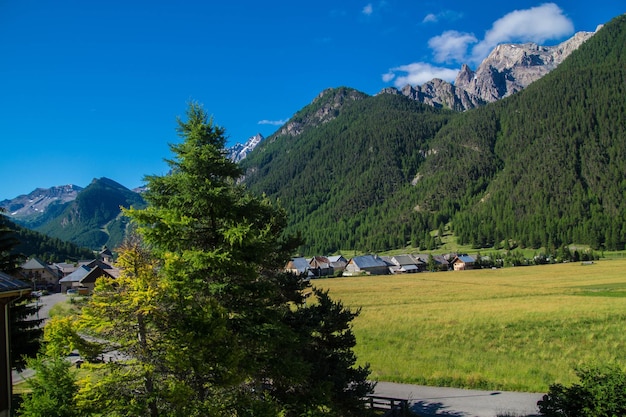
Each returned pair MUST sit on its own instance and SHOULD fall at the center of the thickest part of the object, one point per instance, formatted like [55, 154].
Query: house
[40, 275]
[462, 262]
[407, 264]
[299, 266]
[366, 264]
[320, 266]
[11, 289]
[338, 262]
[85, 277]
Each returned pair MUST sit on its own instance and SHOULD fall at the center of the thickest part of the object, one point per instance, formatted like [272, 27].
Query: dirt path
[454, 402]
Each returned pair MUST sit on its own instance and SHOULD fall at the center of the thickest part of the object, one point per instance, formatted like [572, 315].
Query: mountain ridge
[508, 68]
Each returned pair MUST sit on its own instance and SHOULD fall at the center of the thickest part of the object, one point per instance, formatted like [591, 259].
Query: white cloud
[430, 18]
[367, 10]
[272, 122]
[537, 24]
[418, 73]
[451, 46]
[443, 15]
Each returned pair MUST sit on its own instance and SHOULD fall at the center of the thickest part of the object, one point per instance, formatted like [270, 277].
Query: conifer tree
[210, 323]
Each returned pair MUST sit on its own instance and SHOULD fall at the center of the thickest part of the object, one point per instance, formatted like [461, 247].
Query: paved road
[454, 402]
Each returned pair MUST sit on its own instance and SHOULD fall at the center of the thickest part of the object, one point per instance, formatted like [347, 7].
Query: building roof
[405, 260]
[319, 262]
[76, 276]
[300, 264]
[86, 275]
[337, 258]
[34, 263]
[466, 259]
[10, 286]
[368, 261]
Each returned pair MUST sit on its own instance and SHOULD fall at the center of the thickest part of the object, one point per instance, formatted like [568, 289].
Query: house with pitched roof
[299, 266]
[40, 275]
[85, 276]
[11, 289]
[338, 262]
[366, 265]
[463, 262]
[320, 266]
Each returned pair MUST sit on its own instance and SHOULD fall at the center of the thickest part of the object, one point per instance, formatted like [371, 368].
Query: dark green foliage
[543, 168]
[29, 243]
[25, 332]
[53, 389]
[549, 160]
[232, 329]
[600, 393]
[330, 377]
[93, 219]
[343, 183]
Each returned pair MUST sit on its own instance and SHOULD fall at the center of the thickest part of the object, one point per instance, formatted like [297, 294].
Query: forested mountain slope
[544, 167]
[94, 218]
[335, 179]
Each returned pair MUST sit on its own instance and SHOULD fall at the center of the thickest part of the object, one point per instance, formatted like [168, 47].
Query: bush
[601, 392]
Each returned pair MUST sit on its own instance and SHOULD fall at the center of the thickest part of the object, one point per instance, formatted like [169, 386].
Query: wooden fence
[395, 406]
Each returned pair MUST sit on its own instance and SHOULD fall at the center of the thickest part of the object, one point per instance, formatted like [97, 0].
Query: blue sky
[92, 89]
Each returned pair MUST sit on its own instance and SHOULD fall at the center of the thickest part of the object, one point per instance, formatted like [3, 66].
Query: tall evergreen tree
[212, 324]
[25, 325]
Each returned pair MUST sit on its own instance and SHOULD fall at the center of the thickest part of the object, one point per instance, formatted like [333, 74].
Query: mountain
[507, 69]
[543, 167]
[338, 161]
[48, 249]
[33, 205]
[93, 218]
[239, 151]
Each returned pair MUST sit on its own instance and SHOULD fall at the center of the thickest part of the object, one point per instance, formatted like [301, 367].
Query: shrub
[601, 392]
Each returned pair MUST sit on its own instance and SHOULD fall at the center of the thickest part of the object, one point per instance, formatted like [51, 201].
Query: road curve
[456, 402]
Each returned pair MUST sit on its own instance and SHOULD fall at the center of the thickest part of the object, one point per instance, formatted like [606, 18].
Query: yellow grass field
[518, 329]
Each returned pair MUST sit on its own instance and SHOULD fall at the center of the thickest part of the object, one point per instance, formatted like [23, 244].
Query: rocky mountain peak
[37, 201]
[508, 69]
[239, 151]
[324, 108]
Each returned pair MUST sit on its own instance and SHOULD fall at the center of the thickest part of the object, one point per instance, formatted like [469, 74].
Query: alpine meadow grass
[518, 329]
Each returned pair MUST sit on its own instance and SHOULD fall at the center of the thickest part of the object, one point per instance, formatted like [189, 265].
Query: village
[338, 265]
[81, 277]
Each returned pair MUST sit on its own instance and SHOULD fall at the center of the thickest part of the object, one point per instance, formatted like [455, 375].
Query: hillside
[544, 167]
[94, 218]
[336, 178]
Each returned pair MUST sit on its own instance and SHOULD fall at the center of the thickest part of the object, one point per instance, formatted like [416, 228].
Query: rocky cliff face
[38, 201]
[324, 108]
[508, 69]
[240, 151]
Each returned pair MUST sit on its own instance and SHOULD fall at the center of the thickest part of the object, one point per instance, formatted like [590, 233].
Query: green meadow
[518, 329]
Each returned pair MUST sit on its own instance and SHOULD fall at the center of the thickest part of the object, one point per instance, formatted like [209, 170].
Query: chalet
[462, 262]
[320, 266]
[85, 277]
[407, 264]
[11, 289]
[299, 266]
[40, 275]
[366, 264]
[338, 262]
